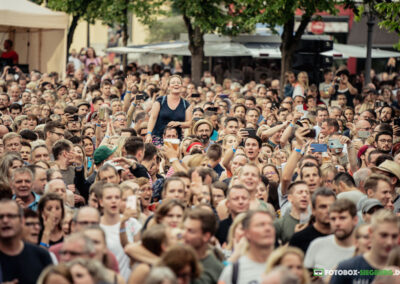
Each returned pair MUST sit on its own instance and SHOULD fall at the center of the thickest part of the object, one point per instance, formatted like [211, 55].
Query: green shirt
[212, 268]
[284, 228]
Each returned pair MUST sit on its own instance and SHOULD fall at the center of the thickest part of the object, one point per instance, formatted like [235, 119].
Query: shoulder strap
[163, 99]
[184, 103]
[235, 272]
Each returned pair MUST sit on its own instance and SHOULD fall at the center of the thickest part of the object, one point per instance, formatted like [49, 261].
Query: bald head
[363, 125]
[85, 216]
[3, 131]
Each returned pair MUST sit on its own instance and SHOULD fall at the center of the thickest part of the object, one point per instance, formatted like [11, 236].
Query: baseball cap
[369, 204]
[102, 153]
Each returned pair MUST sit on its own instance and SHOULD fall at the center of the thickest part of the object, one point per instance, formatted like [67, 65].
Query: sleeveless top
[166, 115]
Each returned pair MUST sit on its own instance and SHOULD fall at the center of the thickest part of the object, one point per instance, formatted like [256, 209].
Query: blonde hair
[231, 233]
[277, 256]
[384, 216]
[197, 160]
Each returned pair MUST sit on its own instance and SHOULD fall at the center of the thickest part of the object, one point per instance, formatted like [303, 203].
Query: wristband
[297, 150]
[134, 104]
[128, 92]
[173, 160]
[44, 245]
[98, 125]
[79, 168]
[123, 230]
[106, 136]
[233, 150]
[149, 132]
[291, 124]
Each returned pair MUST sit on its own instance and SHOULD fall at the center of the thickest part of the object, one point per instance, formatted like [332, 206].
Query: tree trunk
[125, 35]
[196, 47]
[289, 44]
[71, 32]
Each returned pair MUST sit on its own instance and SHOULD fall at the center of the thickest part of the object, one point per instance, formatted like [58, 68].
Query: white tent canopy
[39, 34]
[256, 50]
[345, 51]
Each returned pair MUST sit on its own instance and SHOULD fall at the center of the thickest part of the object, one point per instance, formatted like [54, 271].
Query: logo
[318, 272]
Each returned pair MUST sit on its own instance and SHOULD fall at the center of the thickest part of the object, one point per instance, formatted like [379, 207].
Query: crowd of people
[142, 176]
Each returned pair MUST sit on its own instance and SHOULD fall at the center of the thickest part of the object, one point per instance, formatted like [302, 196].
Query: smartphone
[214, 109]
[335, 144]
[300, 108]
[334, 103]
[397, 121]
[311, 134]
[140, 97]
[131, 202]
[364, 134]
[251, 131]
[156, 77]
[102, 113]
[195, 95]
[75, 117]
[320, 148]
[379, 104]
[223, 96]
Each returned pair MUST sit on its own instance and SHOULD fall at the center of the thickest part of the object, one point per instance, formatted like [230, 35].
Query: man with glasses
[384, 142]
[53, 131]
[84, 217]
[76, 245]
[21, 262]
[31, 227]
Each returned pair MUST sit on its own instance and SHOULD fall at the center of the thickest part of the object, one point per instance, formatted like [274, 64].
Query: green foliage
[114, 11]
[390, 16]
[166, 29]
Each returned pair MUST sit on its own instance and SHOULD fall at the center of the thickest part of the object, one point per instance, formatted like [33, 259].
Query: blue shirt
[34, 205]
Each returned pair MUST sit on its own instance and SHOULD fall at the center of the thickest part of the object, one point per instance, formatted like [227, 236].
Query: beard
[343, 234]
[204, 139]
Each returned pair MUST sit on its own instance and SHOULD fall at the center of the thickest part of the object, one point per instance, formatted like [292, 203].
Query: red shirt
[10, 55]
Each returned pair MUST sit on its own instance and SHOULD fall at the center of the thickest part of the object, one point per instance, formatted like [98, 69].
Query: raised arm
[293, 159]
[155, 110]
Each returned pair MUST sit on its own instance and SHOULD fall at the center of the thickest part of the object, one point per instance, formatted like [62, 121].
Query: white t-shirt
[114, 244]
[249, 272]
[325, 253]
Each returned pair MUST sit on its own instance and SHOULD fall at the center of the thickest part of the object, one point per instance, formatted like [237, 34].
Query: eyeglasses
[87, 223]
[32, 224]
[9, 216]
[71, 252]
[58, 134]
[385, 141]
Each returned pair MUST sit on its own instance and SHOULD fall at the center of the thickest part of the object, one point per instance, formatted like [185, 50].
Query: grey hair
[48, 184]
[22, 170]
[89, 245]
[361, 175]
[160, 274]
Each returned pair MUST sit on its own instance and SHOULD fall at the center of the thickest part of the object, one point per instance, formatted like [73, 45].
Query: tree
[282, 13]
[78, 9]
[166, 29]
[389, 14]
[200, 17]
[116, 12]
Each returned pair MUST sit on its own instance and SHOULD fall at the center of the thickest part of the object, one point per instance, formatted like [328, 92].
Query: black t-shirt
[353, 266]
[223, 229]
[27, 266]
[303, 238]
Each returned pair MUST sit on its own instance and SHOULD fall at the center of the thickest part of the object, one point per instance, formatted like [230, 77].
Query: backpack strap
[235, 272]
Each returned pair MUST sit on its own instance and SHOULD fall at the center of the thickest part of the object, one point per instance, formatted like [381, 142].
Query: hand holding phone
[131, 202]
